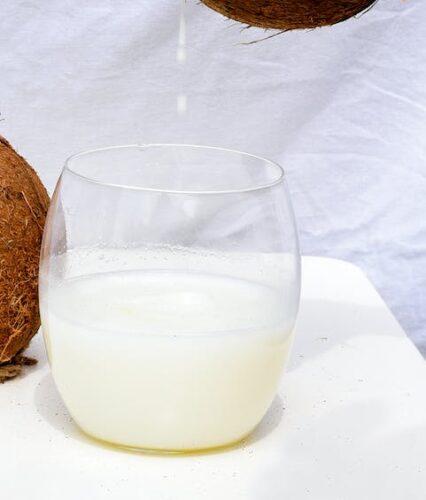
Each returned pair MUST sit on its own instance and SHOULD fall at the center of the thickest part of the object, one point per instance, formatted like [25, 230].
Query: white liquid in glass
[166, 360]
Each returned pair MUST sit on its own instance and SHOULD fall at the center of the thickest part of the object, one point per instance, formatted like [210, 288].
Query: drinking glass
[169, 289]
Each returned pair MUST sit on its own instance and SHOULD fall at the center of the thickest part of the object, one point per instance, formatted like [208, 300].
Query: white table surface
[349, 421]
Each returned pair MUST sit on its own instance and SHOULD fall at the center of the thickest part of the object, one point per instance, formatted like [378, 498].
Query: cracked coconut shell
[287, 15]
[23, 205]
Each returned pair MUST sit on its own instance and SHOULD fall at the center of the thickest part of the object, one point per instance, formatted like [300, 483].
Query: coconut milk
[169, 360]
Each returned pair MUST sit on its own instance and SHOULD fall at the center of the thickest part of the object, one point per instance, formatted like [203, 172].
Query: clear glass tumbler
[169, 288]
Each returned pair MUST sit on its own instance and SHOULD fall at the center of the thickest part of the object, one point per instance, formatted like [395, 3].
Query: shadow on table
[375, 455]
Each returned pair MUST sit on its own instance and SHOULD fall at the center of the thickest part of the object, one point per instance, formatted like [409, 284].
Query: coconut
[23, 206]
[287, 15]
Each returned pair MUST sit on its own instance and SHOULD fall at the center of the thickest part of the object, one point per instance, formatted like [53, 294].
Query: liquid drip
[181, 56]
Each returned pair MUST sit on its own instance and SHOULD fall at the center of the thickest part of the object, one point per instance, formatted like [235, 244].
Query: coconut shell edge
[287, 15]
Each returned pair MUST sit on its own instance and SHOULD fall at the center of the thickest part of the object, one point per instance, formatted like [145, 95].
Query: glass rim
[280, 177]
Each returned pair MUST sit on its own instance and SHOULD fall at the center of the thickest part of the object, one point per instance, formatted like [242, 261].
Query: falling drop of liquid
[181, 100]
[181, 50]
[181, 104]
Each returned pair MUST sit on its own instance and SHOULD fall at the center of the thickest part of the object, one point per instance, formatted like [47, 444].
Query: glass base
[168, 452]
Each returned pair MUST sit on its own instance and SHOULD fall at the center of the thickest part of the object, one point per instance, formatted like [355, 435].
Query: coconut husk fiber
[23, 205]
[287, 15]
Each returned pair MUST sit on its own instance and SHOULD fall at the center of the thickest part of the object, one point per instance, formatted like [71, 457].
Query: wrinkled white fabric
[343, 109]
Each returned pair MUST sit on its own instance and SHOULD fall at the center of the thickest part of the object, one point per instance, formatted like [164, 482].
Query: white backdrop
[343, 109]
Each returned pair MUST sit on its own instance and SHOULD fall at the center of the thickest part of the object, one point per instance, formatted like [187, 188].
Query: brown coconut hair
[23, 206]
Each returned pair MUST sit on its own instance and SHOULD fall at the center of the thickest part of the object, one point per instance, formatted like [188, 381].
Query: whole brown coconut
[23, 206]
[287, 15]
